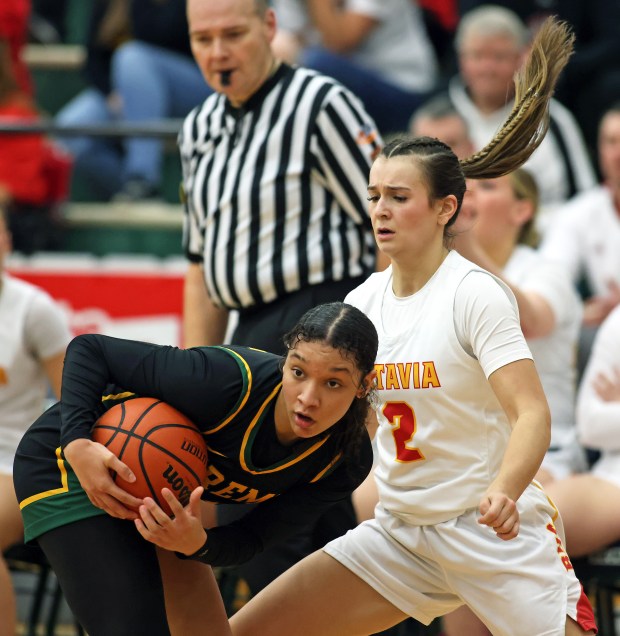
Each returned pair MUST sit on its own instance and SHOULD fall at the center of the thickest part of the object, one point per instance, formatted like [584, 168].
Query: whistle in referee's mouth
[225, 78]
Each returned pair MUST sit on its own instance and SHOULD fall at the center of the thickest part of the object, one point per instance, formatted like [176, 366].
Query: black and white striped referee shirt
[276, 190]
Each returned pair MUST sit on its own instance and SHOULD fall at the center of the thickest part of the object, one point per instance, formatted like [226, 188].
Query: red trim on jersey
[585, 614]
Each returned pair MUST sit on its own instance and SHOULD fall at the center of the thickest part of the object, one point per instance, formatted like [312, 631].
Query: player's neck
[409, 278]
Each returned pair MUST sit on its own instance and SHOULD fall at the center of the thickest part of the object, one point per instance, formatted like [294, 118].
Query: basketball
[162, 447]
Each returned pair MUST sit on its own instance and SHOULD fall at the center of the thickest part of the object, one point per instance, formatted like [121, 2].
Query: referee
[275, 171]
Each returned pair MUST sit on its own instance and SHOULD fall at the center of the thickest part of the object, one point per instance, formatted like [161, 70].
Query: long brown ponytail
[527, 123]
[522, 132]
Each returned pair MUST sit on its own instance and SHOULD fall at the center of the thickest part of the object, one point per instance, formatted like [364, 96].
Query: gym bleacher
[153, 227]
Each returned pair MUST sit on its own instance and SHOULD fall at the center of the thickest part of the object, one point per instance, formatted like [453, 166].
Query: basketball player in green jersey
[288, 434]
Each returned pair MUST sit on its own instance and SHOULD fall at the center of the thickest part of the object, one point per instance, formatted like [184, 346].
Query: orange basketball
[163, 448]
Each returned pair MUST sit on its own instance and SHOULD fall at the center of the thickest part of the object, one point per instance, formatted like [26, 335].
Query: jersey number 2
[402, 418]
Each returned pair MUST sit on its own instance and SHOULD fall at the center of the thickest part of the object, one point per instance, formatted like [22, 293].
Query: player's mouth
[303, 421]
[383, 232]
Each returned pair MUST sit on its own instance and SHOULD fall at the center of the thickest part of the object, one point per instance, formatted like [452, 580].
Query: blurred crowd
[439, 68]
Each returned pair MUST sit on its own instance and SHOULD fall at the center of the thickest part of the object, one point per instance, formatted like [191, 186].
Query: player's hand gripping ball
[161, 446]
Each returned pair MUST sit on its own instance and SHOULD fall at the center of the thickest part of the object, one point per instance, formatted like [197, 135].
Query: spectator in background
[591, 80]
[439, 118]
[33, 336]
[14, 17]
[501, 214]
[275, 169]
[139, 70]
[585, 238]
[48, 21]
[28, 162]
[441, 18]
[589, 503]
[491, 42]
[379, 49]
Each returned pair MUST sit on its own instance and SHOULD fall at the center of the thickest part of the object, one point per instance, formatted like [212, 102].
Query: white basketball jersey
[32, 328]
[442, 433]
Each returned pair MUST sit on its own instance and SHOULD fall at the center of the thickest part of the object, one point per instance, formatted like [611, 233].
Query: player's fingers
[148, 520]
[125, 498]
[489, 517]
[115, 508]
[484, 506]
[506, 515]
[175, 505]
[141, 528]
[122, 470]
[195, 500]
[511, 533]
[499, 511]
[156, 512]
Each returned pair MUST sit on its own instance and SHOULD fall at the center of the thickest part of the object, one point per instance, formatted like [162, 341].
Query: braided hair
[521, 133]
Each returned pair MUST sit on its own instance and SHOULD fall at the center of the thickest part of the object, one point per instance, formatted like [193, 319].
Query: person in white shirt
[463, 420]
[34, 333]
[491, 42]
[585, 239]
[379, 49]
[590, 502]
[439, 118]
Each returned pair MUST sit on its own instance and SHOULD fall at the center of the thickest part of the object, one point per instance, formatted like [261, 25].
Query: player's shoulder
[22, 290]
[250, 359]
[194, 124]
[364, 294]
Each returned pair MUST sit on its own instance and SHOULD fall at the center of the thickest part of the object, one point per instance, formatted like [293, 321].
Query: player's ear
[446, 208]
[367, 383]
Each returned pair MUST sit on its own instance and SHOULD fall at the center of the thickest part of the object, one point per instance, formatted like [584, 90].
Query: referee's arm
[203, 323]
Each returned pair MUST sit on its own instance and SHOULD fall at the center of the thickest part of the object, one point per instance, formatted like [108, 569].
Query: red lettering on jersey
[402, 418]
[561, 551]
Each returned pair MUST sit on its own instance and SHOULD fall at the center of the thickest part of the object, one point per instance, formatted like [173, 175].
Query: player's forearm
[529, 441]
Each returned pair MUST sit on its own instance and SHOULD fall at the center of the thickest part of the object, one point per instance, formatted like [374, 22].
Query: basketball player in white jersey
[463, 420]
[33, 337]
